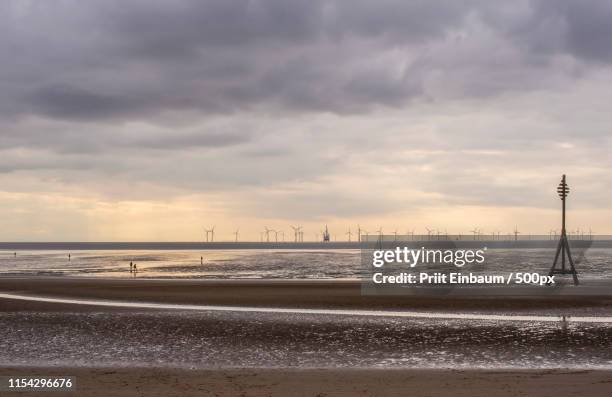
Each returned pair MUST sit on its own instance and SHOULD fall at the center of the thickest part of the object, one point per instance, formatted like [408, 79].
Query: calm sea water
[303, 264]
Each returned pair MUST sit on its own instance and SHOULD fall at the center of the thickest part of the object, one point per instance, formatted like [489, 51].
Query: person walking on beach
[68, 257]
[15, 254]
[131, 266]
[201, 260]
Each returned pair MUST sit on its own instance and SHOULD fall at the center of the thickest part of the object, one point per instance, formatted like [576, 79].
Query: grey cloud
[547, 27]
[108, 60]
[209, 140]
[587, 27]
[95, 141]
[66, 102]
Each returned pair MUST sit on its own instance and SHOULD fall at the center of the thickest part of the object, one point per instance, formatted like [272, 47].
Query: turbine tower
[476, 232]
[326, 235]
[210, 232]
[296, 232]
[563, 247]
[429, 231]
[349, 234]
[410, 233]
[380, 237]
[236, 235]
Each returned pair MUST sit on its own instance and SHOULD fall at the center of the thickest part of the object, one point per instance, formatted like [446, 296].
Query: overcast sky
[147, 120]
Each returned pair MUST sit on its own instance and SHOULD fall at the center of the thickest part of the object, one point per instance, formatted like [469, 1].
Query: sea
[592, 263]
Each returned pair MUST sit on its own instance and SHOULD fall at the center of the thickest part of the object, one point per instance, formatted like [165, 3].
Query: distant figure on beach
[15, 254]
[68, 257]
[201, 260]
[131, 266]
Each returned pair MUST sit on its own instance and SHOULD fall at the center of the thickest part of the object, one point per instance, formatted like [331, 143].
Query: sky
[148, 120]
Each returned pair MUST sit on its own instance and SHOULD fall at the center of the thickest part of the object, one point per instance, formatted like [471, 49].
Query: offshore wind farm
[492, 240]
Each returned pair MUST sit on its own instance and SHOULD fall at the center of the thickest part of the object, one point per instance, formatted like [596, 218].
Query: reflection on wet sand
[255, 339]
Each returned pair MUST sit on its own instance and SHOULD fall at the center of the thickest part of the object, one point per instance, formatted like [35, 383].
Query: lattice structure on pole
[563, 248]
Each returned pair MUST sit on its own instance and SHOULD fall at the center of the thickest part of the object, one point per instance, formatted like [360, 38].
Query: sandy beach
[154, 382]
[125, 351]
[281, 293]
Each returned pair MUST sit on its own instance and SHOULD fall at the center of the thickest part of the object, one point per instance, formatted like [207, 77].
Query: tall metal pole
[563, 193]
[563, 247]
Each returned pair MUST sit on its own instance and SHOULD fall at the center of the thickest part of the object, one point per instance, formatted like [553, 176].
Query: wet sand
[324, 382]
[144, 337]
[280, 293]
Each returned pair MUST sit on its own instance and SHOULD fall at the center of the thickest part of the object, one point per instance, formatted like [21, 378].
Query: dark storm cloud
[589, 29]
[66, 102]
[107, 60]
[577, 28]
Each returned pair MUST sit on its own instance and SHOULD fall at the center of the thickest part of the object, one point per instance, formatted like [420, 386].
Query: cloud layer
[290, 110]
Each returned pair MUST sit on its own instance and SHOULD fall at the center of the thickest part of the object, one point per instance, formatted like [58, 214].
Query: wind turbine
[516, 233]
[429, 231]
[275, 235]
[212, 234]
[267, 232]
[395, 235]
[349, 234]
[296, 232]
[475, 231]
[236, 235]
[358, 233]
[380, 234]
